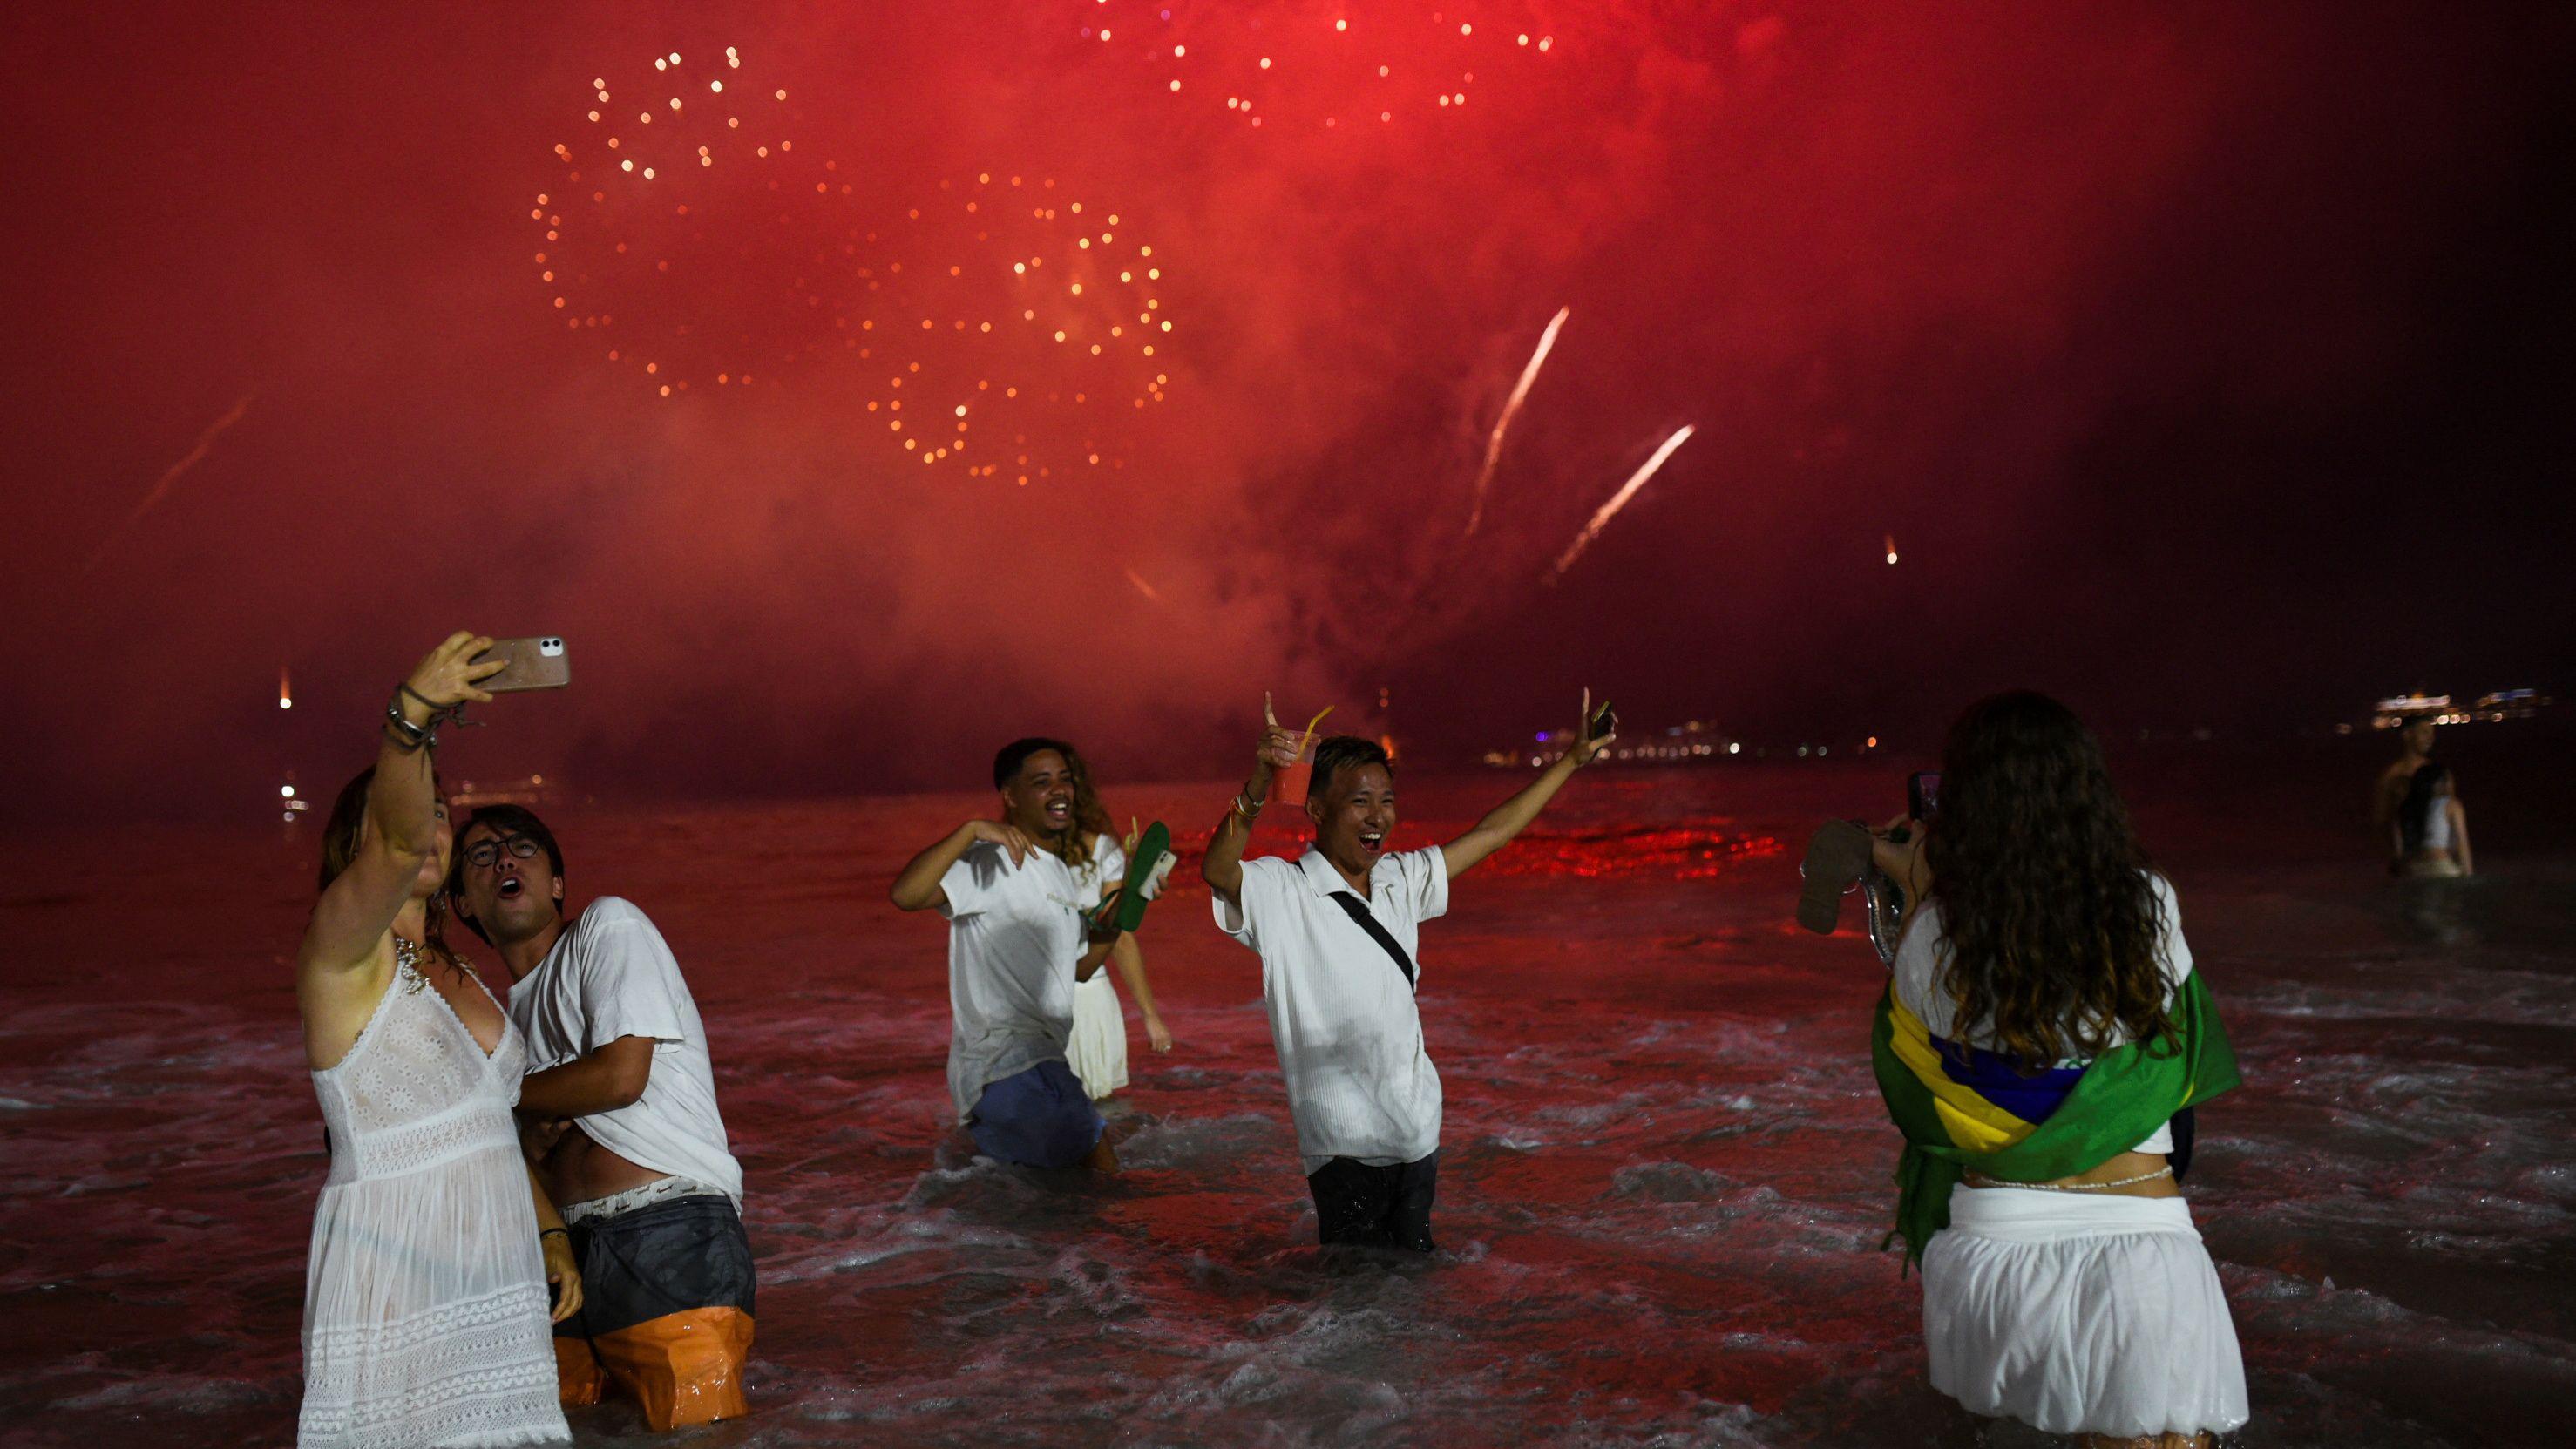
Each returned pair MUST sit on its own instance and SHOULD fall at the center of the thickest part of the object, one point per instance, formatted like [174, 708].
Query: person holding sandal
[1338, 931]
[425, 1303]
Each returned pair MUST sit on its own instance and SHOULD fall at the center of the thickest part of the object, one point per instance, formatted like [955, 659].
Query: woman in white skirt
[1097, 1050]
[425, 1300]
[2069, 1288]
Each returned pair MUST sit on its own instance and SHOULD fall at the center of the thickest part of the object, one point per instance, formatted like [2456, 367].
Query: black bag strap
[1360, 917]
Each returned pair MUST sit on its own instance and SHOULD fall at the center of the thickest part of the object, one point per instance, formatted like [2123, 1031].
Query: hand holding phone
[538, 662]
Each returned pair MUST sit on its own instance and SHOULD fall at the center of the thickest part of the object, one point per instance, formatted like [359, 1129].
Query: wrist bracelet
[416, 736]
[546, 1233]
[405, 736]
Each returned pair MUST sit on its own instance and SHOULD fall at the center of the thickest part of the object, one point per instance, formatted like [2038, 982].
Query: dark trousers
[1375, 1207]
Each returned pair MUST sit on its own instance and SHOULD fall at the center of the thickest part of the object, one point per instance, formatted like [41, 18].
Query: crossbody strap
[1360, 917]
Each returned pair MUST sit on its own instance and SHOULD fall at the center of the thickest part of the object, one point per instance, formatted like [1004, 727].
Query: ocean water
[1664, 1173]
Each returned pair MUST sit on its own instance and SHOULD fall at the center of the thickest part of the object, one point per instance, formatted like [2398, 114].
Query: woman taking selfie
[2042, 1030]
[425, 1307]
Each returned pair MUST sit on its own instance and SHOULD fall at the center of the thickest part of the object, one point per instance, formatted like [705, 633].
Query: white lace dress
[425, 1300]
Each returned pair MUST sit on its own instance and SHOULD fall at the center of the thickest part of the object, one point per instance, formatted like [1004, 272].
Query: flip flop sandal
[1131, 902]
[1838, 855]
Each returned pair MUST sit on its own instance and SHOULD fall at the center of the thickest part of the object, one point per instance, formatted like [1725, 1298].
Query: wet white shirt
[1014, 936]
[1360, 1084]
[610, 975]
[1920, 962]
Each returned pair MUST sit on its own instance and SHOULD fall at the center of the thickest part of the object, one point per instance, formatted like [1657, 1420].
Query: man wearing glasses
[621, 1096]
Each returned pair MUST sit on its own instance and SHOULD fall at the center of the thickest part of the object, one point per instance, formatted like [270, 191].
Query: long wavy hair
[2052, 929]
[1090, 817]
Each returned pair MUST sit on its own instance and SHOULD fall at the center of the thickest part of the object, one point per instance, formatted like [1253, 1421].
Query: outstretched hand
[447, 674]
[1587, 745]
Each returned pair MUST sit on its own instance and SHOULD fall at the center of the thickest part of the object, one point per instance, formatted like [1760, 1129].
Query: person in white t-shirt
[1016, 892]
[1337, 932]
[620, 1099]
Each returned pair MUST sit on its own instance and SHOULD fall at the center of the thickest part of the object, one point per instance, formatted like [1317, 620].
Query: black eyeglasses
[485, 852]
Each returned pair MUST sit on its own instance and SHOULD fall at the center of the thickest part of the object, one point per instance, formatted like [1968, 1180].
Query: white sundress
[1096, 1048]
[426, 1317]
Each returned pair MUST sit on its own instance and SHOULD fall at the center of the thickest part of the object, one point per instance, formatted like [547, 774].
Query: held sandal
[1130, 902]
[1838, 855]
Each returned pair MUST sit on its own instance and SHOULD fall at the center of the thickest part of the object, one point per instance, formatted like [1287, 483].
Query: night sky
[2208, 364]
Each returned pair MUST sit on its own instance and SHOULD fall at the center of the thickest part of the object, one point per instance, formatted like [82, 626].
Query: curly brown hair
[2052, 927]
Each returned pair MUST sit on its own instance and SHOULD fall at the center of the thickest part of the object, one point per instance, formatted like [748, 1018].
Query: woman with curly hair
[2040, 1045]
[1097, 1050]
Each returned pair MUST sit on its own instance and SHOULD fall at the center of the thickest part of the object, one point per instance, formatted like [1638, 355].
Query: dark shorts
[1038, 1118]
[665, 1316]
[668, 1257]
[1375, 1207]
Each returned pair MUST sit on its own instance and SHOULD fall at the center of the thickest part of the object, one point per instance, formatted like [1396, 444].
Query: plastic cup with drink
[1288, 784]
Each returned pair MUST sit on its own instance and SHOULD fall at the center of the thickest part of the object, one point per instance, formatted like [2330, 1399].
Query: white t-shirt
[1349, 1035]
[610, 975]
[1014, 935]
[1919, 964]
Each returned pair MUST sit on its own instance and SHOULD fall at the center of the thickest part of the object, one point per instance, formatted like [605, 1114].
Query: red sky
[2206, 363]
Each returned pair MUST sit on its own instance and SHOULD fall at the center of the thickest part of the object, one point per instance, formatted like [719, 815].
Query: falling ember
[1511, 406]
[1143, 587]
[285, 689]
[1891, 548]
[1618, 501]
[169, 476]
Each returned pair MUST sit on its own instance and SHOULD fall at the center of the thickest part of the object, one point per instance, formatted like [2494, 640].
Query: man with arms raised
[1018, 940]
[1337, 931]
[621, 1098]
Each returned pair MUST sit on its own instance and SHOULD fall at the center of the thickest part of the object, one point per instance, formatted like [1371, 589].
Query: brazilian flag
[1964, 1110]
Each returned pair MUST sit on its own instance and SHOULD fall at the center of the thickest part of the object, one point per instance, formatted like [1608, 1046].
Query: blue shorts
[1038, 1118]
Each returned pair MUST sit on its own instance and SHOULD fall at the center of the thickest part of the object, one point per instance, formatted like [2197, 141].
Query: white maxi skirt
[1097, 1050]
[2081, 1313]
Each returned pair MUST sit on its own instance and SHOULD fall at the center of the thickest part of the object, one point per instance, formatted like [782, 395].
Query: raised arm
[1222, 866]
[1514, 815]
[917, 887]
[402, 815]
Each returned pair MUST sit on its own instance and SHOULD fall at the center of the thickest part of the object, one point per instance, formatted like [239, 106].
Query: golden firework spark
[999, 324]
[1511, 406]
[1618, 501]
